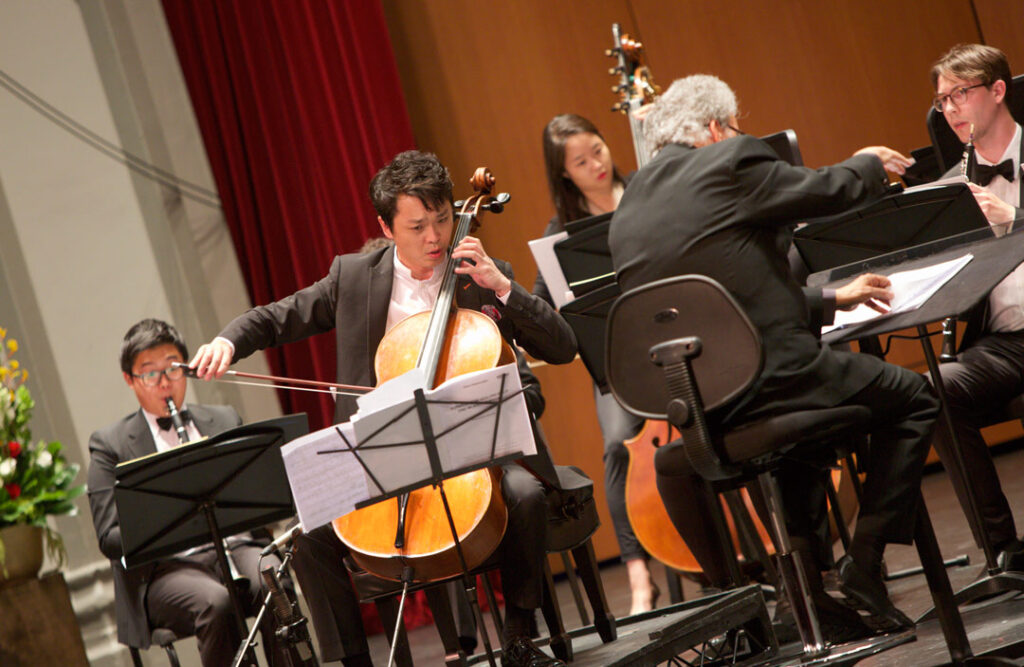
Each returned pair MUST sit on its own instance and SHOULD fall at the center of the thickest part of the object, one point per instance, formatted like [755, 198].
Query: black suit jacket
[124, 440]
[353, 299]
[726, 211]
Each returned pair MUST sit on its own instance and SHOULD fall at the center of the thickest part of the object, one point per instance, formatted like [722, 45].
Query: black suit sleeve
[533, 324]
[102, 462]
[776, 192]
[305, 313]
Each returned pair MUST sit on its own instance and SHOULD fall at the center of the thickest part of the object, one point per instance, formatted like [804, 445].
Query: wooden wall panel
[482, 79]
[1002, 26]
[843, 74]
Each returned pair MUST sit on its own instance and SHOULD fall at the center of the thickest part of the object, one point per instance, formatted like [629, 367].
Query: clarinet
[179, 423]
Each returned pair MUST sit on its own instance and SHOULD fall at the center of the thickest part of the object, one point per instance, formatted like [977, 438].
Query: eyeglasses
[737, 130]
[957, 96]
[152, 378]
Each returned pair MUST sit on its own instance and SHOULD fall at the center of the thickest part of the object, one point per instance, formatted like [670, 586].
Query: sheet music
[911, 289]
[543, 250]
[952, 180]
[327, 480]
[396, 453]
[324, 485]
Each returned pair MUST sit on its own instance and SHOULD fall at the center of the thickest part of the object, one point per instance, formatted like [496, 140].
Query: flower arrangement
[36, 479]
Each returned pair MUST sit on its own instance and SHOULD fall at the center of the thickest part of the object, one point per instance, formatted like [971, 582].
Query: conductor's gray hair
[682, 114]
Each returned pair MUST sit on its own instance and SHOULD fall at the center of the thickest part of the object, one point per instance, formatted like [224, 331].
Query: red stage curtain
[299, 104]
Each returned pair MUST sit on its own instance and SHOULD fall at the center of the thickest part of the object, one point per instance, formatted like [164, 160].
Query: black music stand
[187, 496]
[994, 259]
[894, 222]
[420, 410]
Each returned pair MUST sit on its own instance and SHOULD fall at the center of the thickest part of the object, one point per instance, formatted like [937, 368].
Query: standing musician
[584, 181]
[972, 90]
[716, 202]
[183, 593]
[361, 297]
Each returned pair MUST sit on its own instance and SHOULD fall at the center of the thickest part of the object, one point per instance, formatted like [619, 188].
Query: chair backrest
[947, 147]
[679, 307]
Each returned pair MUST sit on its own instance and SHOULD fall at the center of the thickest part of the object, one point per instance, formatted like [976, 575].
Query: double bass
[445, 342]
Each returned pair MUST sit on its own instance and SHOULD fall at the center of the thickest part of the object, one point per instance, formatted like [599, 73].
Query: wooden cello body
[413, 530]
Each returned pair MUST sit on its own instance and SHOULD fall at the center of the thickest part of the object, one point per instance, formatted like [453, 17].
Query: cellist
[361, 297]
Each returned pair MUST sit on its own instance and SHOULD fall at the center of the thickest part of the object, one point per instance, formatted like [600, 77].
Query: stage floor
[995, 623]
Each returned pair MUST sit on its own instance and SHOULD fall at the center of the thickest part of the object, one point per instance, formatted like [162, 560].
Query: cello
[644, 507]
[412, 531]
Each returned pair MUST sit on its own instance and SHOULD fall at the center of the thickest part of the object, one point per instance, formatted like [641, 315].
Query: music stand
[190, 495]
[587, 316]
[419, 410]
[895, 222]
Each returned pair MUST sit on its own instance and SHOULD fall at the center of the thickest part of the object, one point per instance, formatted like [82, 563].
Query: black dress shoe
[1011, 559]
[838, 623]
[869, 593]
[522, 653]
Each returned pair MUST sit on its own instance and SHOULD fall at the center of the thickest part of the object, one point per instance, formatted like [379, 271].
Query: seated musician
[361, 297]
[972, 88]
[716, 202]
[183, 593]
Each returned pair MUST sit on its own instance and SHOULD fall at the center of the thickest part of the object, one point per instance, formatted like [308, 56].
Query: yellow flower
[24, 376]
[3, 332]
[14, 364]
[12, 346]
[3, 373]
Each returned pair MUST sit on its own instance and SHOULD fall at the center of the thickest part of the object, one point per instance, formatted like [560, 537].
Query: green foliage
[35, 480]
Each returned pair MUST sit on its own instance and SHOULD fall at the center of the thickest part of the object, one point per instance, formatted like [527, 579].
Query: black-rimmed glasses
[152, 378]
[957, 96]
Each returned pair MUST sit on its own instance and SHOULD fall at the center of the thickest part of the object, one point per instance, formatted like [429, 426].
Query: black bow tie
[984, 173]
[167, 424]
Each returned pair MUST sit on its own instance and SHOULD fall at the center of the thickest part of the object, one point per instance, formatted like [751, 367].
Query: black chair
[572, 521]
[163, 638]
[681, 348]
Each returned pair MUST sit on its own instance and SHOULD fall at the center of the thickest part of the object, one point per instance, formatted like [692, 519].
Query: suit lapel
[139, 437]
[378, 300]
[203, 419]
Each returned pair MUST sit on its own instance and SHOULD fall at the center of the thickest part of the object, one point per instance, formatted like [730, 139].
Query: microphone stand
[292, 631]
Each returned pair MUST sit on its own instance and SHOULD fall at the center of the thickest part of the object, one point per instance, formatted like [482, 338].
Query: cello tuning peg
[459, 204]
[497, 204]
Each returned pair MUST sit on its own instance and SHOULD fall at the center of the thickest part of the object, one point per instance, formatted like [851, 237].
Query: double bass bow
[444, 342]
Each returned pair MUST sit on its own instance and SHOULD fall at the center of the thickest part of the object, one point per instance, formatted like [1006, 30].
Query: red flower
[13, 490]
[14, 448]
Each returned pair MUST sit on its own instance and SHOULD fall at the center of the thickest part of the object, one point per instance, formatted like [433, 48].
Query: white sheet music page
[391, 439]
[911, 289]
[326, 481]
[543, 250]
[466, 428]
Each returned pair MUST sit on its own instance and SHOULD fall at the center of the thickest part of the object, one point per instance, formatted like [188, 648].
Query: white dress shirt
[169, 439]
[1006, 300]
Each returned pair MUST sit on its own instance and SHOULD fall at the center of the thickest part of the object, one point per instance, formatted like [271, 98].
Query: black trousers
[903, 409]
[334, 606]
[978, 386]
[186, 595]
[617, 426]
